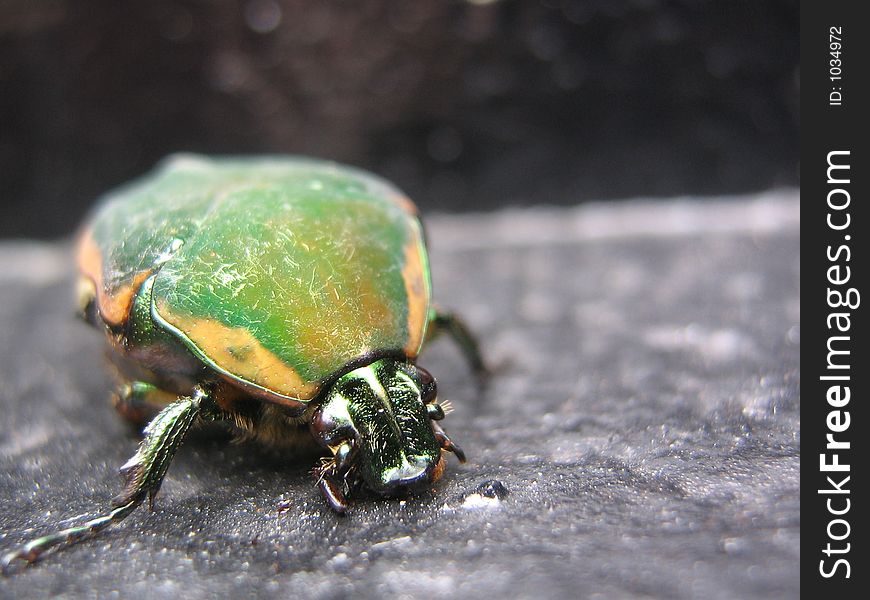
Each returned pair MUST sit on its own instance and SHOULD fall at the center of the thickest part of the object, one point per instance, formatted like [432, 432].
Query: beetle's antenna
[32, 550]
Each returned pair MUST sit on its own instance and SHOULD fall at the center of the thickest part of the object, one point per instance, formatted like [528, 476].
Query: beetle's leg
[446, 443]
[333, 478]
[143, 472]
[331, 488]
[447, 322]
[138, 402]
[31, 551]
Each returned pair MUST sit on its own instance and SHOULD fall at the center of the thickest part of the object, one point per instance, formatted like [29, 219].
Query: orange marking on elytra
[406, 204]
[417, 290]
[239, 354]
[114, 305]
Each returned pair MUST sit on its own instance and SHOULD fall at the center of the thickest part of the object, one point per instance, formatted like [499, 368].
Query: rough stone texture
[644, 422]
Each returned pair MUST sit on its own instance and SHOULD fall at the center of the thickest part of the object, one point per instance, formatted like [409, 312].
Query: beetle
[288, 297]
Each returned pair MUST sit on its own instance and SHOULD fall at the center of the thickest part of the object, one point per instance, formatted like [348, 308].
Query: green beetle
[288, 297]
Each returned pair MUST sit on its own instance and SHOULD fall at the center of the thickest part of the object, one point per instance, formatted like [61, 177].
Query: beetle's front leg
[447, 444]
[333, 478]
[143, 473]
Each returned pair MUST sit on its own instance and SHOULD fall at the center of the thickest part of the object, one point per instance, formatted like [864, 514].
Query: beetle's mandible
[287, 297]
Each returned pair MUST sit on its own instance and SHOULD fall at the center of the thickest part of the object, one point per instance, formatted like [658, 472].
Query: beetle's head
[379, 421]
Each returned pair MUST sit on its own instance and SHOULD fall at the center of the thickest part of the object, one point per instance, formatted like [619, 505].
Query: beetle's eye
[428, 389]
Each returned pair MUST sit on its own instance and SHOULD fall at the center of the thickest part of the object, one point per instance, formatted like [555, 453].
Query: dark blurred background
[467, 105]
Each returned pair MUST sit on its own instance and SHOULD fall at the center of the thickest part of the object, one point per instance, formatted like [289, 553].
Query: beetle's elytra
[287, 297]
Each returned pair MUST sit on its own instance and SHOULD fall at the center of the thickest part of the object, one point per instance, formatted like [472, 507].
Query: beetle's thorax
[379, 412]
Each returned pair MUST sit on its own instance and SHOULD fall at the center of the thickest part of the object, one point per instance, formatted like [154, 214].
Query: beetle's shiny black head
[378, 421]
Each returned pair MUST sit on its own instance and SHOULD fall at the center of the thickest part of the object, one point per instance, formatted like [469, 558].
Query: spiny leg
[143, 473]
[332, 482]
[447, 322]
[32, 550]
[447, 444]
[145, 470]
[332, 478]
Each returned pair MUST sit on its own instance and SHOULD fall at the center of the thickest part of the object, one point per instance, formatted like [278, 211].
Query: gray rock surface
[644, 423]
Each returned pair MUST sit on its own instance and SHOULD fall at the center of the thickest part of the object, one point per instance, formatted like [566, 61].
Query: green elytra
[309, 258]
[287, 297]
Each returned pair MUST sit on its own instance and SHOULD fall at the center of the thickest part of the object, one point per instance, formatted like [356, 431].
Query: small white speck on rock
[478, 502]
